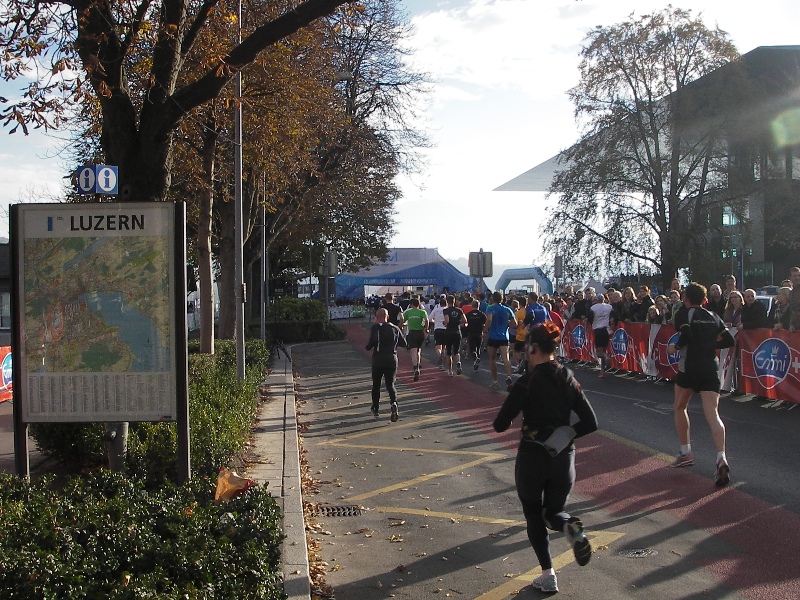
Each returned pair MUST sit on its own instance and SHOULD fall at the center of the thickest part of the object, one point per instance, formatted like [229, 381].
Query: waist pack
[558, 440]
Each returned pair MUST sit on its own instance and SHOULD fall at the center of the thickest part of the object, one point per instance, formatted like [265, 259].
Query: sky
[498, 107]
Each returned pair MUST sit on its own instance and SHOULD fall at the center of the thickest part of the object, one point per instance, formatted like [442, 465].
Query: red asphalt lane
[625, 481]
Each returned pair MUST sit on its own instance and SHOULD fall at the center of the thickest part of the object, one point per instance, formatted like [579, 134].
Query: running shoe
[546, 583]
[520, 368]
[602, 374]
[441, 367]
[683, 460]
[493, 386]
[393, 418]
[723, 474]
[458, 369]
[477, 364]
[450, 372]
[580, 544]
[509, 384]
[416, 374]
[374, 409]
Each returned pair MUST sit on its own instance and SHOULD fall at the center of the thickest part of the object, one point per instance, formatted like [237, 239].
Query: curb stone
[275, 436]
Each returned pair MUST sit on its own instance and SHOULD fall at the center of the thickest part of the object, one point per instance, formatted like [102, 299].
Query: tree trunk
[226, 256]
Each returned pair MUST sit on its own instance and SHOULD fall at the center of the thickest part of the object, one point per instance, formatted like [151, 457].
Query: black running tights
[384, 369]
[543, 485]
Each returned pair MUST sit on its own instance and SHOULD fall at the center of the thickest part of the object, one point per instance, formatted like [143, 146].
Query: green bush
[294, 320]
[106, 536]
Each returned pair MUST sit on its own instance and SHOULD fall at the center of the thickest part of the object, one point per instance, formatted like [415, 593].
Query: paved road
[439, 513]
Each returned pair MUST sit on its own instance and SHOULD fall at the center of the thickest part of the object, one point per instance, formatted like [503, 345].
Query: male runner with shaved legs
[701, 334]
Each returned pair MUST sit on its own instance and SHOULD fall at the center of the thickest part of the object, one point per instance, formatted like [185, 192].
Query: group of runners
[555, 410]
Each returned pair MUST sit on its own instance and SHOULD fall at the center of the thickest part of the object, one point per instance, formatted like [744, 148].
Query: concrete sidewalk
[277, 466]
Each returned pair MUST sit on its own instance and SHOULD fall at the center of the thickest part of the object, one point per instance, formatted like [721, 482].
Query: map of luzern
[97, 304]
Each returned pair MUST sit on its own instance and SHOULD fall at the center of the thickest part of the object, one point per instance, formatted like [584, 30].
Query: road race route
[627, 478]
[361, 440]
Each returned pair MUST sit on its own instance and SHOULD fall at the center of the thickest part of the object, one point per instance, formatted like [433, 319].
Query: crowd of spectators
[739, 309]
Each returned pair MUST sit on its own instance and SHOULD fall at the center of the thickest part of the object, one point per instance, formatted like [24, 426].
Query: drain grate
[326, 510]
[638, 553]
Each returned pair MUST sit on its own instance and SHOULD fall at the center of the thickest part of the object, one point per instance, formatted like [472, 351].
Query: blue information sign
[98, 179]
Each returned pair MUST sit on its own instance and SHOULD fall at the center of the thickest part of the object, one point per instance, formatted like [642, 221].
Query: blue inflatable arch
[406, 267]
[535, 273]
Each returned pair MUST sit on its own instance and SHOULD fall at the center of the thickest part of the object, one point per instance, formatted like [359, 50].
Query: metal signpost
[480, 265]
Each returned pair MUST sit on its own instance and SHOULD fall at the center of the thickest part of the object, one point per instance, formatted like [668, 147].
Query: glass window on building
[729, 218]
[5, 310]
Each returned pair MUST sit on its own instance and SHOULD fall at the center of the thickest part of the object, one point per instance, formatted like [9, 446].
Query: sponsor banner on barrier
[664, 364]
[6, 390]
[629, 347]
[728, 364]
[577, 341]
[763, 362]
[642, 348]
[769, 364]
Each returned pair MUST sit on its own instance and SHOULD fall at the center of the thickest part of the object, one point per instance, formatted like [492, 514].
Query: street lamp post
[263, 295]
[238, 276]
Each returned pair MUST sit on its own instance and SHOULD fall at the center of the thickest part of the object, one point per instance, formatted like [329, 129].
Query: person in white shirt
[600, 316]
[437, 318]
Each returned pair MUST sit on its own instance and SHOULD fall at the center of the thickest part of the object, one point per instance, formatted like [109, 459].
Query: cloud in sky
[502, 69]
[499, 107]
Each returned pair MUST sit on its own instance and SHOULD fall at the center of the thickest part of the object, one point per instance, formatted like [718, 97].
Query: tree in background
[650, 172]
[325, 117]
[129, 56]
[346, 201]
[286, 91]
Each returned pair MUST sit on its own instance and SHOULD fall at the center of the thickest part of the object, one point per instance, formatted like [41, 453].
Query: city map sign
[99, 311]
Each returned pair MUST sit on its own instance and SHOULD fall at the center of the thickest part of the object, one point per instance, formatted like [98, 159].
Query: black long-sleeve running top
[384, 339]
[546, 397]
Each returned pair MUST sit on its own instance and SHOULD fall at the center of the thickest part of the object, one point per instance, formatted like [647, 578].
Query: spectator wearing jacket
[778, 317]
[733, 309]
[754, 313]
[644, 301]
[716, 301]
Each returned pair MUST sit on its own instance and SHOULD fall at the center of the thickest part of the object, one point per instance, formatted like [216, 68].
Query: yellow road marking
[382, 431]
[420, 479]
[488, 455]
[512, 586]
[636, 446]
[444, 515]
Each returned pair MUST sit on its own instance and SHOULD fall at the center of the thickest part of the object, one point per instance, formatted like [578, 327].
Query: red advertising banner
[6, 388]
[769, 364]
[629, 347]
[577, 341]
[665, 364]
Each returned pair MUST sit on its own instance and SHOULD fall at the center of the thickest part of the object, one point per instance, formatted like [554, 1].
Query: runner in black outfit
[547, 396]
[454, 320]
[701, 334]
[383, 341]
[394, 312]
[476, 319]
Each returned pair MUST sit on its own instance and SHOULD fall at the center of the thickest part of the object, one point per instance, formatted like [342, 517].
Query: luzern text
[110, 222]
